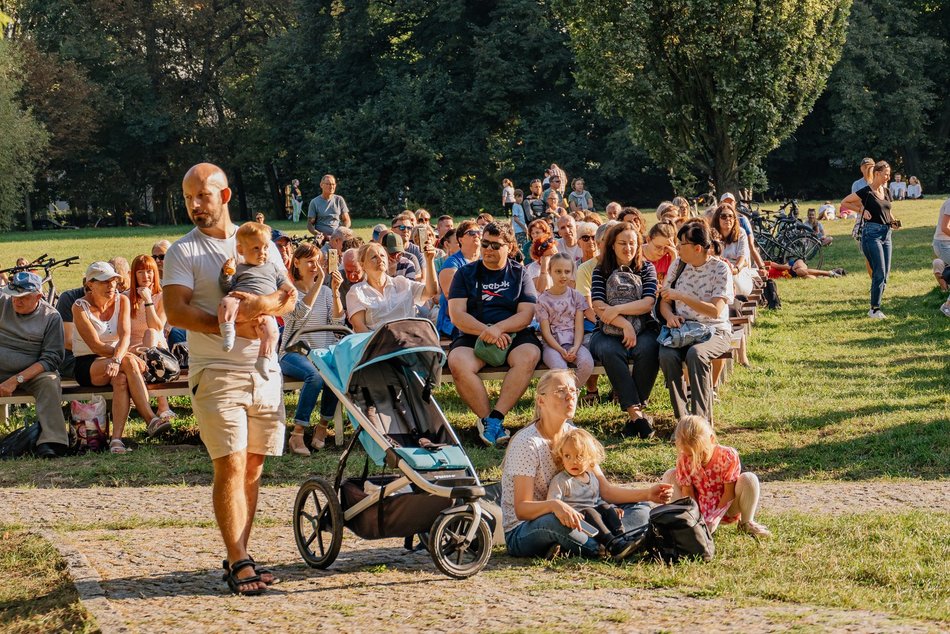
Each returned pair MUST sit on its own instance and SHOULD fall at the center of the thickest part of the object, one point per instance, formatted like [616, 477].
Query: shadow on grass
[914, 450]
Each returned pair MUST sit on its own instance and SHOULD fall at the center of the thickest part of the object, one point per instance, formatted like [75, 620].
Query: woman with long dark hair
[873, 202]
[631, 318]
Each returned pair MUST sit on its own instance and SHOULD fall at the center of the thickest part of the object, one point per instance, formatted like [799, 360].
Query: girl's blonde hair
[544, 383]
[696, 440]
[588, 449]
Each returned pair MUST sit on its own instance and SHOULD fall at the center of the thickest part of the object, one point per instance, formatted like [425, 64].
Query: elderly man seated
[31, 349]
[492, 301]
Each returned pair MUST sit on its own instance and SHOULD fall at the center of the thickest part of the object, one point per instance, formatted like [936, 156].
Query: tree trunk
[276, 195]
[27, 212]
[245, 214]
[725, 167]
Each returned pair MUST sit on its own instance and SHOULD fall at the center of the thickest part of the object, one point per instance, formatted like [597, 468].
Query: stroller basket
[399, 515]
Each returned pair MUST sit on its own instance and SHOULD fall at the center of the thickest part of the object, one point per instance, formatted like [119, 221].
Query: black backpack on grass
[770, 298]
[20, 442]
[677, 531]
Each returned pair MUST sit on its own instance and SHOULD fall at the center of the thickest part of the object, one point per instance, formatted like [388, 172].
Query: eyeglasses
[564, 392]
[727, 215]
[159, 257]
[496, 246]
[473, 232]
[403, 227]
[587, 238]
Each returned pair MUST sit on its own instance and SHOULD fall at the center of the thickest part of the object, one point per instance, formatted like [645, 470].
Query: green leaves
[23, 141]
[709, 87]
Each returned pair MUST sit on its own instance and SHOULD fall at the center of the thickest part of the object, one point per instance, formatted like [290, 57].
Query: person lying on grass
[796, 267]
[710, 474]
[536, 526]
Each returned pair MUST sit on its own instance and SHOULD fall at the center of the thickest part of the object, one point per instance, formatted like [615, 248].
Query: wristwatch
[20, 379]
[150, 304]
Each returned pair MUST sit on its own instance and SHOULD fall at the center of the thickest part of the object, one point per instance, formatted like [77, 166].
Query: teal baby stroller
[384, 380]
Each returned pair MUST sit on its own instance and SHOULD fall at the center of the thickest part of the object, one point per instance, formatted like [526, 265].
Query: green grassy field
[831, 396]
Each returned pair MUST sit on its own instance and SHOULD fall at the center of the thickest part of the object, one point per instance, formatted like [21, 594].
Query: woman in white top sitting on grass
[382, 298]
[536, 526]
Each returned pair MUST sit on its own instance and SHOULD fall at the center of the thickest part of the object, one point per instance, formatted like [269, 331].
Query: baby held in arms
[255, 276]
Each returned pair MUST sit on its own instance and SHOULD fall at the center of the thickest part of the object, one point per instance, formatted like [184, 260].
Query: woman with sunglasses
[493, 300]
[468, 236]
[735, 248]
[699, 287]
[536, 526]
[623, 256]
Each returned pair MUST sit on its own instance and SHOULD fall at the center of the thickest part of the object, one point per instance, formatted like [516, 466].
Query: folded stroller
[384, 380]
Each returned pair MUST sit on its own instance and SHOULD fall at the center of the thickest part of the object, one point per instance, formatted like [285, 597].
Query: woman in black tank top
[873, 203]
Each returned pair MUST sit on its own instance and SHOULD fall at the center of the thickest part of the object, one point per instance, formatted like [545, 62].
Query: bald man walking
[240, 414]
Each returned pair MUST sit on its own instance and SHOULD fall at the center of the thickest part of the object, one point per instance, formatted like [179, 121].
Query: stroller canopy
[416, 340]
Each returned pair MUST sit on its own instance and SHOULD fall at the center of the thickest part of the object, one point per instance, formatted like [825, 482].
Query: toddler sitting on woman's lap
[579, 453]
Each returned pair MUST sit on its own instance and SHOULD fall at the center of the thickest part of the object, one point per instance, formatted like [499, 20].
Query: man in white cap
[31, 350]
[867, 169]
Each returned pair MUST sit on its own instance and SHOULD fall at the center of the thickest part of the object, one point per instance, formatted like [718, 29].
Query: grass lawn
[43, 599]
[831, 395]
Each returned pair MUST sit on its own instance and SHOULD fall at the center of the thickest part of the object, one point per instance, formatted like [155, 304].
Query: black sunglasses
[473, 232]
[495, 246]
[158, 258]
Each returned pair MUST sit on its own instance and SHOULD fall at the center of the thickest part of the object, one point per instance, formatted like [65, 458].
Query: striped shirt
[647, 273]
[320, 314]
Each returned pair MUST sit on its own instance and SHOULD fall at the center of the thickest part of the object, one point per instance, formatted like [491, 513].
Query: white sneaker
[876, 314]
[945, 309]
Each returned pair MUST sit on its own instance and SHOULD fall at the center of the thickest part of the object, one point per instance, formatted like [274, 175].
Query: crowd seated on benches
[470, 279]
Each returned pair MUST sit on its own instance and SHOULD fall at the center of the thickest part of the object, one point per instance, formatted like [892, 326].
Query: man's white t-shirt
[195, 262]
[940, 236]
[575, 251]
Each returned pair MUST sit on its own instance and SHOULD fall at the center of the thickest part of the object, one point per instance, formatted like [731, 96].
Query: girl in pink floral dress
[710, 474]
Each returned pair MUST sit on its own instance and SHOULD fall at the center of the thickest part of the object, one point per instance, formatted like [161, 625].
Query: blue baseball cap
[277, 234]
[23, 283]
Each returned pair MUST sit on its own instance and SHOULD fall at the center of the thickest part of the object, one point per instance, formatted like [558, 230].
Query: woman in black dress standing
[873, 202]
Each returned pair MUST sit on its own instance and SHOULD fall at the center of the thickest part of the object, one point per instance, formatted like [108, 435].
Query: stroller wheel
[451, 554]
[318, 523]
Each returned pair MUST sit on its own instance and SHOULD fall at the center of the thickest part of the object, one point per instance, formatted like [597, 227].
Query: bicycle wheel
[804, 247]
[770, 248]
[318, 523]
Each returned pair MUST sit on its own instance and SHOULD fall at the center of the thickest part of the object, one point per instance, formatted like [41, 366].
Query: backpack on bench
[678, 531]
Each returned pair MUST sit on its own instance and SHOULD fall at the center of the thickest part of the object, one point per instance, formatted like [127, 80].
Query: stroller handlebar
[296, 345]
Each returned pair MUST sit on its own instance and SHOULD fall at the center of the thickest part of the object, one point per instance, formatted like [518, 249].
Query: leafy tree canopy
[708, 86]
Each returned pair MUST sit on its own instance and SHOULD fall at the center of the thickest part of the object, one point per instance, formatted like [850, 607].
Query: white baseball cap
[727, 196]
[101, 272]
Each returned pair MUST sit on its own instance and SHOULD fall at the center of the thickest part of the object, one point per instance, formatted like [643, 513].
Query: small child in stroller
[579, 453]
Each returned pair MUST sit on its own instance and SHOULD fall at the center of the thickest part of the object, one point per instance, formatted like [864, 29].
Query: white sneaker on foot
[876, 314]
[945, 309]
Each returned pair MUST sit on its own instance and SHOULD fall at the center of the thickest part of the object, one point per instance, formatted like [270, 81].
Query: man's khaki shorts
[238, 410]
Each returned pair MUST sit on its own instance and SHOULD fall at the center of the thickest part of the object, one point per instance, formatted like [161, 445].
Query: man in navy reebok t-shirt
[493, 299]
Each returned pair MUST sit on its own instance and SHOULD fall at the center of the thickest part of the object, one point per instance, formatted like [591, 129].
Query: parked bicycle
[48, 265]
[783, 236]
